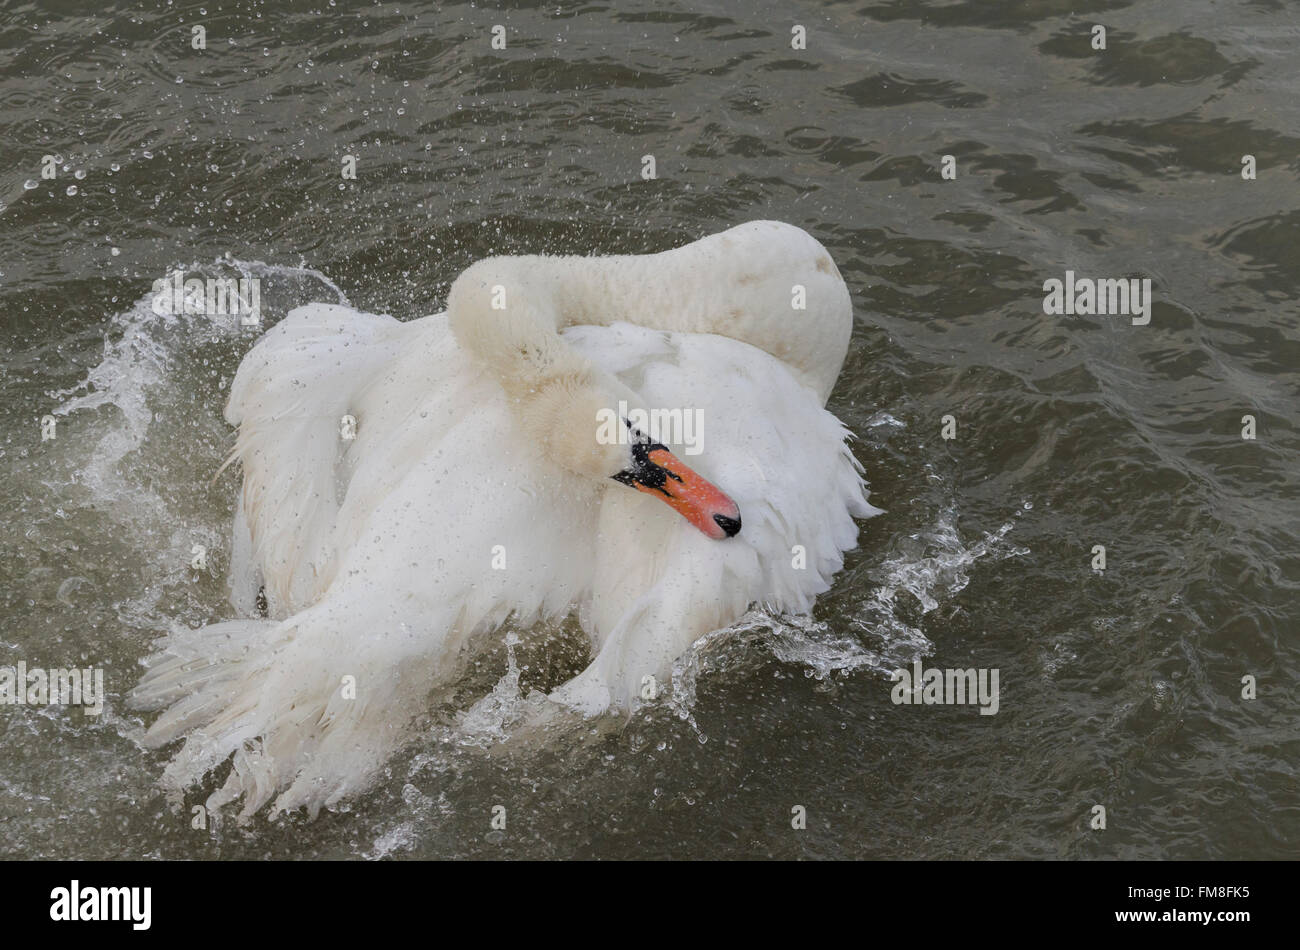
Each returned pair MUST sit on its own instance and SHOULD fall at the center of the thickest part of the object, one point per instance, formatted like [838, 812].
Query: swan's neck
[747, 283]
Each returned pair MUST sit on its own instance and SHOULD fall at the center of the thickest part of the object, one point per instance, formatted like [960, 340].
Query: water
[1120, 688]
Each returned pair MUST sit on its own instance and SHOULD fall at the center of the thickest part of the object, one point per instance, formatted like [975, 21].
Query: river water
[1120, 687]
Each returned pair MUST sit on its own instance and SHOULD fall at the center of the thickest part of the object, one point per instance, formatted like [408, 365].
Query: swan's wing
[447, 526]
[289, 398]
[768, 443]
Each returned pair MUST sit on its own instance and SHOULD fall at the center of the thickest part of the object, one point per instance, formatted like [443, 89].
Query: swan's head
[584, 443]
[660, 474]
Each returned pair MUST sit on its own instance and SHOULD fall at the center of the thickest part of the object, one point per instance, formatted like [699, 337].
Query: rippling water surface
[1120, 688]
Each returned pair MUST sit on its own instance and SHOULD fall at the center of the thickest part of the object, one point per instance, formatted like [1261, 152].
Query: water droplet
[72, 190]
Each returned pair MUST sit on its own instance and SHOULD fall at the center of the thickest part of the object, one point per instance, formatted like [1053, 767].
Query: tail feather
[272, 698]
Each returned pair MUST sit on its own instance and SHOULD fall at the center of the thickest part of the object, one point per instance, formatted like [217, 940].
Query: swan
[410, 485]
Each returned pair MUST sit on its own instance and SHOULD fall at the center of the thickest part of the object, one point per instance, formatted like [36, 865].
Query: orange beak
[699, 501]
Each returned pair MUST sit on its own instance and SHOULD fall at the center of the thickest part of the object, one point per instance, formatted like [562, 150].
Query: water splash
[489, 720]
[927, 576]
[931, 566]
[148, 414]
[143, 345]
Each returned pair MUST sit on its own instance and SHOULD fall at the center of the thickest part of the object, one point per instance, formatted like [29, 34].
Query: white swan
[476, 487]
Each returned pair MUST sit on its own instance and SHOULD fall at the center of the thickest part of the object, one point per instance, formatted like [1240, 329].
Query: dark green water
[1119, 688]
